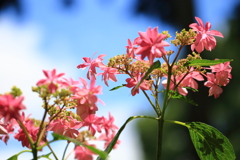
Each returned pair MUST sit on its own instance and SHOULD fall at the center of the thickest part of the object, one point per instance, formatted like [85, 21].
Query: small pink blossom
[10, 107]
[214, 82]
[52, 79]
[132, 82]
[204, 37]
[93, 122]
[109, 73]
[108, 139]
[151, 44]
[86, 98]
[189, 79]
[173, 82]
[108, 124]
[92, 65]
[82, 153]
[222, 67]
[132, 47]
[67, 127]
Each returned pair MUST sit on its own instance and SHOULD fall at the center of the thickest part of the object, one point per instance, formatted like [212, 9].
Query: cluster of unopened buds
[61, 96]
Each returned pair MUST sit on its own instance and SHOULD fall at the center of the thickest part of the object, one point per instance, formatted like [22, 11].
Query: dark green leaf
[102, 154]
[115, 88]
[114, 141]
[206, 62]
[210, 143]
[155, 65]
[176, 95]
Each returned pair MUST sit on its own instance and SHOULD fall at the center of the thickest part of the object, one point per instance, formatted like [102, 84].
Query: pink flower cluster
[83, 98]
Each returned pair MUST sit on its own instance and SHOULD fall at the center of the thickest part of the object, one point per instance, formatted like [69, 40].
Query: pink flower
[222, 67]
[92, 65]
[108, 139]
[189, 79]
[10, 107]
[67, 127]
[109, 73]
[93, 123]
[86, 98]
[204, 37]
[132, 47]
[132, 82]
[108, 124]
[6, 129]
[82, 153]
[173, 82]
[151, 44]
[215, 81]
[52, 79]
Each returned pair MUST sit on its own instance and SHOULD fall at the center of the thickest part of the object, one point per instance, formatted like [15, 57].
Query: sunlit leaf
[210, 143]
[115, 88]
[206, 62]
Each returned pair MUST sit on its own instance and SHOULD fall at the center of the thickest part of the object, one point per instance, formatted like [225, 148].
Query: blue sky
[47, 37]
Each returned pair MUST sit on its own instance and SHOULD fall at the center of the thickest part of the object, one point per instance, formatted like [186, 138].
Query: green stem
[65, 150]
[177, 122]
[55, 156]
[156, 109]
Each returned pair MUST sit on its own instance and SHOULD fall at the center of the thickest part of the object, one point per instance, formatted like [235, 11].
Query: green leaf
[45, 156]
[15, 157]
[114, 140]
[176, 95]
[102, 154]
[209, 142]
[155, 65]
[206, 62]
[115, 88]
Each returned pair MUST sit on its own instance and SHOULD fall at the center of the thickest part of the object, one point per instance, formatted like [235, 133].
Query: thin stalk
[41, 130]
[161, 120]
[151, 102]
[52, 151]
[65, 151]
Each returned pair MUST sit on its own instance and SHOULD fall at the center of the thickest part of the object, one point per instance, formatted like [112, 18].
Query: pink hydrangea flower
[108, 139]
[86, 98]
[204, 37]
[92, 65]
[173, 81]
[132, 82]
[82, 153]
[109, 73]
[222, 67]
[214, 82]
[52, 79]
[132, 47]
[10, 107]
[189, 80]
[93, 122]
[108, 125]
[65, 127]
[151, 44]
